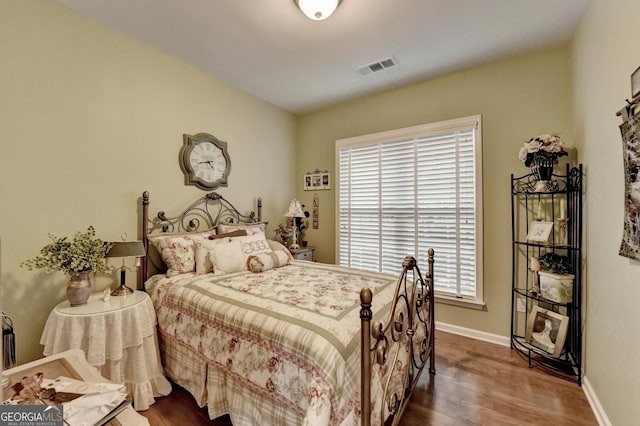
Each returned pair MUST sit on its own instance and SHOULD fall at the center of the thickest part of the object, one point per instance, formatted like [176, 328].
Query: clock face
[205, 161]
[208, 162]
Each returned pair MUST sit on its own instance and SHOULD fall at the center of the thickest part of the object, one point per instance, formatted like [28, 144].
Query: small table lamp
[294, 210]
[126, 249]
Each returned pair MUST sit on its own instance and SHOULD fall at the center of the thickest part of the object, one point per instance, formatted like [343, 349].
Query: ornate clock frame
[190, 174]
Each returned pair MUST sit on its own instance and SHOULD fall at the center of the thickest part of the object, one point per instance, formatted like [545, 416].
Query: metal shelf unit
[563, 190]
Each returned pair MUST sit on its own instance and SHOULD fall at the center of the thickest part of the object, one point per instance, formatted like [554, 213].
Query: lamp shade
[317, 10]
[295, 209]
[126, 249]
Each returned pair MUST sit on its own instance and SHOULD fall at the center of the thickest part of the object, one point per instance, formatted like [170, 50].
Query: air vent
[377, 66]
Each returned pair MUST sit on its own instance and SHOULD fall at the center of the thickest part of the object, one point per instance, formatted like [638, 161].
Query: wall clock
[205, 162]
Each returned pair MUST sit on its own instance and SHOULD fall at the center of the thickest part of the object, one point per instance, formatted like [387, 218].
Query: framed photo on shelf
[547, 330]
[539, 231]
[317, 180]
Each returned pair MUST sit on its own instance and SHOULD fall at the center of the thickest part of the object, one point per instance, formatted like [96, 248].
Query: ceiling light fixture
[317, 10]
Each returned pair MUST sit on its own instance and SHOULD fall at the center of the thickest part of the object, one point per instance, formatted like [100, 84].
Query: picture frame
[539, 231]
[317, 181]
[635, 83]
[547, 330]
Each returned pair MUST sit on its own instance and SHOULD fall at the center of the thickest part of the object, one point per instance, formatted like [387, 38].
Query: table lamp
[125, 249]
[294, 211]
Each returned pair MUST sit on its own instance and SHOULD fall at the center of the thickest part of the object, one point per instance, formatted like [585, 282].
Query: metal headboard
[204, 213]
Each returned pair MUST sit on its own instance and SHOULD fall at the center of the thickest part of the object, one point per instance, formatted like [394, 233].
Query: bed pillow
[276, 246]
[178, 251]
[250, 228]
[265, 261]
[203, 263]
[236, 233]
[231, 254]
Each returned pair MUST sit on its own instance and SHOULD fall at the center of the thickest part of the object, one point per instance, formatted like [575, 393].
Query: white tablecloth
[118, 337]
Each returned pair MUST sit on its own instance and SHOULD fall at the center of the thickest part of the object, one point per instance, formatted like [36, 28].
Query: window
[403, 191]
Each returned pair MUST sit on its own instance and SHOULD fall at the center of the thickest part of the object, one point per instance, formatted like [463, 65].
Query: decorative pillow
[237, 233]
[203, 264]
[177, 251]
[251, 228]
[230, 254]
[265, 261]
[276, 246]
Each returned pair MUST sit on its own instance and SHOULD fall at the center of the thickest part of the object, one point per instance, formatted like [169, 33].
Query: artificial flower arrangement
[85, 252]
[546, 146]
[284, 231]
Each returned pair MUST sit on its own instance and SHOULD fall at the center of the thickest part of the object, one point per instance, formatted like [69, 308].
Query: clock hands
[209, 162]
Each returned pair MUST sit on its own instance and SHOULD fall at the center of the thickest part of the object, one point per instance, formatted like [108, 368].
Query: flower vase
[79, 288]
[542, 170]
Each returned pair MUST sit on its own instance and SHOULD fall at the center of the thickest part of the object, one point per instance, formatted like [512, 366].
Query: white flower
[522, 155]
[550, 146]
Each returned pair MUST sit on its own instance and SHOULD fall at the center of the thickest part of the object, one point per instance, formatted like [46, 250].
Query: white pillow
[276, 246]
[203, 263]
[231, 254]
[265, 261]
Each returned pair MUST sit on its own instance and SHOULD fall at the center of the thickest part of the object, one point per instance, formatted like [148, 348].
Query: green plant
[83, 253]
[555, 262]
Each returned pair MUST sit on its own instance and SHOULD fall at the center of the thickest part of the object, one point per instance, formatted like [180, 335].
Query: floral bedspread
[289, 333]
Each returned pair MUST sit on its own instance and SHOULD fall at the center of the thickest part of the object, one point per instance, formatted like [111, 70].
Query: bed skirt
[210, 386]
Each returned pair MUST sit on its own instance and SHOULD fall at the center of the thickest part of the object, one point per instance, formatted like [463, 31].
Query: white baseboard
[597, 408]
[594, 402]
[474, 334]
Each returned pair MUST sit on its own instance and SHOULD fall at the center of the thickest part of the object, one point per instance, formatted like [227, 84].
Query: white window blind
[404, 191]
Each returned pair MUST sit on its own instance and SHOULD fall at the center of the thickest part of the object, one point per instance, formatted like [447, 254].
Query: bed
[252, 333]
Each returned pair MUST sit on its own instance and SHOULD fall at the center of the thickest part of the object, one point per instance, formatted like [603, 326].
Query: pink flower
[273, 364]
[270, 386]
[232, 344]
[313, 394]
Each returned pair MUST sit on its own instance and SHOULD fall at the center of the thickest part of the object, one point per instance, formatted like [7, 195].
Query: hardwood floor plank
[479, 383]
[476, 383]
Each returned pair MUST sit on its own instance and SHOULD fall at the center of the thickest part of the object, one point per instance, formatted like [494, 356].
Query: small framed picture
[316, 181]
[539, 231]
[635, 83]
[547, 330]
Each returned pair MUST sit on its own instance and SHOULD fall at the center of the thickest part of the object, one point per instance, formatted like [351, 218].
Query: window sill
[465, 303]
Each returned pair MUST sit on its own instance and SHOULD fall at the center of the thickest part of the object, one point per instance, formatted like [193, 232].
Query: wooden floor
[476, 383]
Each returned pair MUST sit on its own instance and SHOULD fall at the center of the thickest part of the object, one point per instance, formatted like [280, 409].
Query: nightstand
[118, 337]
[304, 253]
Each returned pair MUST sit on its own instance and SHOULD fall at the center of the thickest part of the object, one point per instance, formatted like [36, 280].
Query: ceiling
[271, 50]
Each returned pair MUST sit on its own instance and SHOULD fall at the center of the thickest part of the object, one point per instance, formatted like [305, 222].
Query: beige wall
[518, 99]
[605, 53]
[89, 119]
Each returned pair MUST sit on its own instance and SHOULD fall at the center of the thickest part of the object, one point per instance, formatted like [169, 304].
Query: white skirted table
[118, 337]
